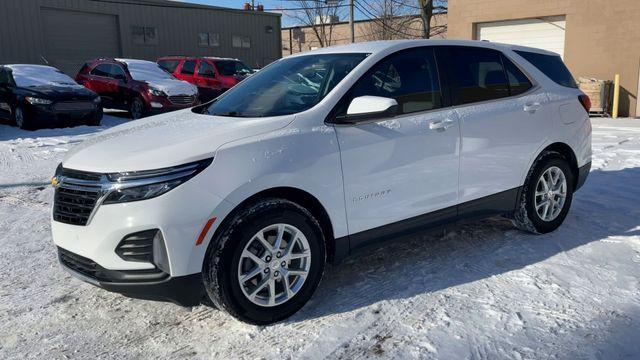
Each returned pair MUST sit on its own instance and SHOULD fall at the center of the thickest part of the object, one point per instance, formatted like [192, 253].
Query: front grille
[137, 246]
[182, 99]
[91, 269]
[74, 106]
[74, 204]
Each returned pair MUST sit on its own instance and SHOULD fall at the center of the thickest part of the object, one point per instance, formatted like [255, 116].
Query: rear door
[207, 81]
[504, 120]
[398, 168]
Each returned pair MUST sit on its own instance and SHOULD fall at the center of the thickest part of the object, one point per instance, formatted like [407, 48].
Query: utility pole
[351, 26]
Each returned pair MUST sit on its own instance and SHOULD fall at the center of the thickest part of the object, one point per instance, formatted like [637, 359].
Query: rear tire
[546, 196]
[257, 281]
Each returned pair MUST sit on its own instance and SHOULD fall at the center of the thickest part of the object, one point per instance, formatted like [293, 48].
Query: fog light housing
[145, 246]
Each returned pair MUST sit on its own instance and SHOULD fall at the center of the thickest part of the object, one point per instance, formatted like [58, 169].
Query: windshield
[32, 76]
[147, 70]
[232, 67]
[286, 87]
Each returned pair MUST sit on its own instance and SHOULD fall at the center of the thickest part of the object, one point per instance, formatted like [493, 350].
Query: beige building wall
[367, 30]
[602, 37]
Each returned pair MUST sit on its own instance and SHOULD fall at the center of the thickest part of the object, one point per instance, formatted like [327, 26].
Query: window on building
[410, 77]
[208, 39]
[518, 81]
[478, 74]
[206, 70]
[188, 68]
[552, 66]
[144, 35]
[239, 41]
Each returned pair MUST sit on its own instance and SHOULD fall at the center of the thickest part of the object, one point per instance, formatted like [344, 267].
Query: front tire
[136, 109]
[97, 119]
[20, 119]
[266, 263]
[547, 195]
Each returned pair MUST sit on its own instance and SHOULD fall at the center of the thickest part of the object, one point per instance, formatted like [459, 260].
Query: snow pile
[484, 291]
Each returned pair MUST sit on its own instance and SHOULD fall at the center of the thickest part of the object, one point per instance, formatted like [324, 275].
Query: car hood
[173, 87]
[58, 92]
[165, 140]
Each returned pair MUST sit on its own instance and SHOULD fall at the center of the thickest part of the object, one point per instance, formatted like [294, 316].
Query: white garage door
[543, 33]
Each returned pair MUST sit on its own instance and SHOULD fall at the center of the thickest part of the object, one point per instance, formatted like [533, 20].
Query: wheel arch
[566, 151]
[298, 196]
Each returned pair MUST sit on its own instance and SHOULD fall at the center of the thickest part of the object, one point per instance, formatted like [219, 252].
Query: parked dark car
[213, 76]
[34, 96]
[141, 87]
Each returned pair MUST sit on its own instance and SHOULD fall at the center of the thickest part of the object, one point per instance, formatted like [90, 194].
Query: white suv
[241, 201]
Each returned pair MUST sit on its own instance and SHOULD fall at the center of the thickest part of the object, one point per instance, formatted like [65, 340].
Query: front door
[5, 95]
[399, 168]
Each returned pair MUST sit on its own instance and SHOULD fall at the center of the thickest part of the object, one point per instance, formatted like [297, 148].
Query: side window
[169, 65]
[206, 70]
[4, 77]
[188, 67]
[518, 82]
[410, 77]
[103, 70]
[552, 66]
[478, 75]
[117, 72]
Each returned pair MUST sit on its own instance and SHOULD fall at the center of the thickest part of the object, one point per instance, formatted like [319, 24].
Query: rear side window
[478, 75]
[103, 70]
[169, 65]
[189, 67]
[518, 81]
[552, 66]
[410, 77]
[206, 70]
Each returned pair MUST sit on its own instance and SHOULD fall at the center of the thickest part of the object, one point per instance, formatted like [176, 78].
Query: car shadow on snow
[10, 132]
[606, 206]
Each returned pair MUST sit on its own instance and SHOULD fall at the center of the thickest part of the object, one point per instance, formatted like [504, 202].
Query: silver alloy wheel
[551, 193]
[19, 117]
[136, 109]
[274, 265]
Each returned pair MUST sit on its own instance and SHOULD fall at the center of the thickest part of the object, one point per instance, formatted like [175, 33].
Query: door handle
[532, 107]
[441, 125]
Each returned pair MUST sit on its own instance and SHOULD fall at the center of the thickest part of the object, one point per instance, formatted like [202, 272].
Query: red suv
[141, 87]
[213, 76]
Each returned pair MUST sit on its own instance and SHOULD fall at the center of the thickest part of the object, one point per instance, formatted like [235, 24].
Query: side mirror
[368, 107]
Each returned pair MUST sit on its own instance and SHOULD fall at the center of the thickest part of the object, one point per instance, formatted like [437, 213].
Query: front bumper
[47, 116]
[151, 284]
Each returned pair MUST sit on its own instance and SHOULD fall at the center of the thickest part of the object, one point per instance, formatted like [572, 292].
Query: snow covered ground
[485, 291]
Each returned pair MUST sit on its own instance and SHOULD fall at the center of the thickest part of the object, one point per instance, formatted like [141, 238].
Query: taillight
[585, 101]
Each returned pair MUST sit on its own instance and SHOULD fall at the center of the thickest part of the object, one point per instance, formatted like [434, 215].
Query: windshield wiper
[230, 114]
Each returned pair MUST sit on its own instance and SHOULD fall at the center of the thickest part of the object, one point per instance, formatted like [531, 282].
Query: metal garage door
[72, 37]
[544, 33]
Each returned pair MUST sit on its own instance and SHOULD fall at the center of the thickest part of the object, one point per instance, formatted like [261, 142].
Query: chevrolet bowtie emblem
[54, 181]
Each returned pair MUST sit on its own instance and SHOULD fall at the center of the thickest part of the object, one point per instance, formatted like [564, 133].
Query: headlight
[37, 101]
[142, 185]
[97, 100]
[157, 92]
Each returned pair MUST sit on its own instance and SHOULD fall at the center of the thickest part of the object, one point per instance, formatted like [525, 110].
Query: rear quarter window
[552, 66]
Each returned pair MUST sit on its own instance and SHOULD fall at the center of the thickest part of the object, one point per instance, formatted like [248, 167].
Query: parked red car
[141, 87]
[213, 76]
